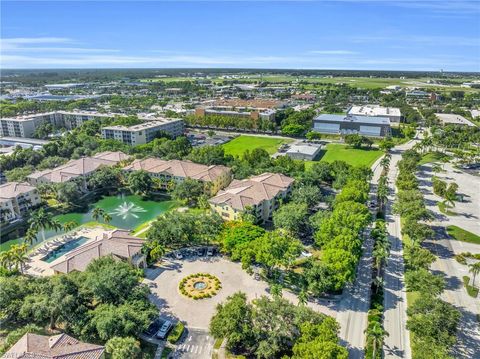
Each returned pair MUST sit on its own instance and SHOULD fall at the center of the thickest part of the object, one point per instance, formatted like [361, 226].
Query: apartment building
[144, 132]
[16, 199]
[392, 113]
[25, 126]
[259, 195]
[349, 124]
[215, 177]
[73, 169]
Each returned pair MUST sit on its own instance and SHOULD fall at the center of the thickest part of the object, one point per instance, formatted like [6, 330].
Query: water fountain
[127, 209]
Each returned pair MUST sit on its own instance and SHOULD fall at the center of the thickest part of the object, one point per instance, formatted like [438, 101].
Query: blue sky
[347, 34]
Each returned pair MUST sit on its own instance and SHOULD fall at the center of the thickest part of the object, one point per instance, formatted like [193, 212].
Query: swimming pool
[64, 248]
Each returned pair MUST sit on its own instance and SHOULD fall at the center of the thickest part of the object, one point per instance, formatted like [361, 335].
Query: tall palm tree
[376, 334]
[30, 236]
[6, 259]
[302, 297]
[97, 213]
[41, 220]
[68, 226]
[474, 269]
[19, 255]
[107, 218]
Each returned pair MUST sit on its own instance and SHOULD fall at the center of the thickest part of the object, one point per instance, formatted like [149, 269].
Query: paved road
[196, 344]
[397, 344]
[353, 308]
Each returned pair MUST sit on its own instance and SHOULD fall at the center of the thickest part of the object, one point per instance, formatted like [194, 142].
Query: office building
[392, 113]
[454, 119]
[348, 124]
[144, 132]
[304, 151]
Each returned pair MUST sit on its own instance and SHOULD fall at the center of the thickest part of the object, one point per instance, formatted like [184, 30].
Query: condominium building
[259, 195]
[73, 169]
[25, 126]
[215, 176]
[349, 124]
[392, 113]
[16, 199]
[144, 132]
[35, 346]
[118, 243]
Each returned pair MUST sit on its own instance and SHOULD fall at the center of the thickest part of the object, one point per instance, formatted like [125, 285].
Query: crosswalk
[198, 348]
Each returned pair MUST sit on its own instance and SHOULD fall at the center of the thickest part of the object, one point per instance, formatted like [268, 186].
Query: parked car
[153, 327]
[162, 333]
[178, 255]
[210, 251]
[201, 251]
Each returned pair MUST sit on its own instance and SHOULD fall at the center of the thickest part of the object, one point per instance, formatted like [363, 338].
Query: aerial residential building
[259, 195]
[144, 132]
[81, 168]
[118, 243]
[16, 199]
[34, 346]
[25, 126]
[392, 113]
[215, 176]
[349, 124]
[454, 119]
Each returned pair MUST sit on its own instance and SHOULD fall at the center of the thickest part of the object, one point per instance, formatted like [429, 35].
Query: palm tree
[276, 290]
[474, 269]
[97, 213]
[157, 251]
[41, 220]
[30, 236]
[68, 226]
[376, 334]
[6, 259]
[107, 218]
[19, 255]
[380, 254]
[302, 297]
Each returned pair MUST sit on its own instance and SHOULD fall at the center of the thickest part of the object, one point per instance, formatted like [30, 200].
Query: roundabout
[199, 286]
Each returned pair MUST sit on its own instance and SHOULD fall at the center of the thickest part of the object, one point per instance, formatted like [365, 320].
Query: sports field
[353, 156]
[239, 145]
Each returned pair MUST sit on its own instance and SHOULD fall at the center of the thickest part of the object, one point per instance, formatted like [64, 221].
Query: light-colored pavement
[197, 313]
[468, 344]
[397, 343]
[197, 344]
[353, 307]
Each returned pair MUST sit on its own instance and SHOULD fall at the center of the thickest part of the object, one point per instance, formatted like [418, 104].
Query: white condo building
[144, 132]
[16, 199]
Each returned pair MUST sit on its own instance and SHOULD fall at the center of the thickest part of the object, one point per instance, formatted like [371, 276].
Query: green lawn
[353, 156]
[462, 235]
[239, 145]
[432, 157]
[445, 209]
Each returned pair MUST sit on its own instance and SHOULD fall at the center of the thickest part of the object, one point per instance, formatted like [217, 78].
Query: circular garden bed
[199, 286]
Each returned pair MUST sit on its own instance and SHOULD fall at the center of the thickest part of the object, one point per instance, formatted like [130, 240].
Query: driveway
[197, 313]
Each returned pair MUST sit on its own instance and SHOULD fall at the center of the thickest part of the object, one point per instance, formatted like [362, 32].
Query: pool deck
[37, 267]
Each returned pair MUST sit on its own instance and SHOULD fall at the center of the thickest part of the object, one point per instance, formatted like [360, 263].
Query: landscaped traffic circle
[199, 286]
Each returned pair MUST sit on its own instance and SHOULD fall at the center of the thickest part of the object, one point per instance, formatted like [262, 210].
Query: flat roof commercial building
[392, 113]
[144, 132]
[348, 125]
[304, 151]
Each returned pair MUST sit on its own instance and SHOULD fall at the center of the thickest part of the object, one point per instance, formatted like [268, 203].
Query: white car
[162, 333]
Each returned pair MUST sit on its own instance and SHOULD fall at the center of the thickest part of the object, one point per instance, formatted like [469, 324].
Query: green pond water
[127, 212]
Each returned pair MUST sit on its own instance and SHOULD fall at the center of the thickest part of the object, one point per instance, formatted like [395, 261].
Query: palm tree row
[98, 213]
[15, 257]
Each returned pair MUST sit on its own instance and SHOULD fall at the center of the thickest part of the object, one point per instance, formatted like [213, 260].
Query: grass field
[239, 145]
[462, 235]
[432, 157]
[353, 156]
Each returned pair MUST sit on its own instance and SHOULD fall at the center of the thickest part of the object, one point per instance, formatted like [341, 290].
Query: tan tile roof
[118, 243]
[252, 191]
[62, 346]
[76, 168]
[252, 103]
[13, 189]
[179, 168]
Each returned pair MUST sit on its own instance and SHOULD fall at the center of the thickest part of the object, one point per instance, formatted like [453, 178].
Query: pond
[127, 211]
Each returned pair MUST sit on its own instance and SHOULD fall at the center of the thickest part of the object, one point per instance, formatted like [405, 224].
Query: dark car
[201, 251]
[153, 327]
